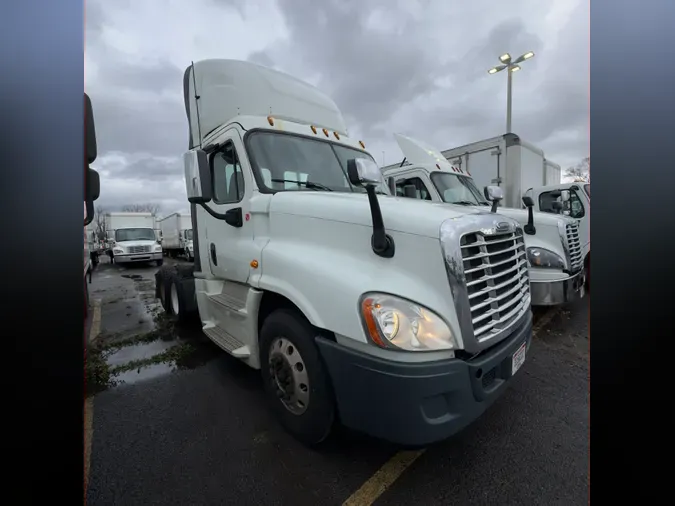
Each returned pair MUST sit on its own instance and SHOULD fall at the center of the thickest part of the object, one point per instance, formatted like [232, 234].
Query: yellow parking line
[384, 478]
[95, 321]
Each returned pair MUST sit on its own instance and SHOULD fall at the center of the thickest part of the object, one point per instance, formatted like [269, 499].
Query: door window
[576, 207]
[228, 178]
[420, 188]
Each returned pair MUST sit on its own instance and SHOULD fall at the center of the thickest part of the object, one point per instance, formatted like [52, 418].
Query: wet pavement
[199, 431]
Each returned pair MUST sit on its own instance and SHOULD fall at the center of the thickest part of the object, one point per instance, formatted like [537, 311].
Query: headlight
[395, 323]
[158, 248]
[540, 257]
[119, 251]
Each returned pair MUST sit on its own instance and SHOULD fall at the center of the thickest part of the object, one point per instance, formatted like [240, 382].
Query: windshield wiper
[464, 203]
[308, 184]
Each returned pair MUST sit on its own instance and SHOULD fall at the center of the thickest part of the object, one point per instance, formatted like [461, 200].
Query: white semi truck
[132, 238]
[176, 233]
[551, 242]
[91, 192]
[520, 169]
[355, 305]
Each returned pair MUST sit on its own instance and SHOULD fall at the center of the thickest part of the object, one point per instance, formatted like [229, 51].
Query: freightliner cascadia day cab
[132, 237]
[573, 200]
[91, 192]
[176, 233]
[521, 168]
[552, 250]
[356, 306]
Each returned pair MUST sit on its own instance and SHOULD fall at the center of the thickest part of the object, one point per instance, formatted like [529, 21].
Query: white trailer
[132, 238]
[353, 304]
[176, 234]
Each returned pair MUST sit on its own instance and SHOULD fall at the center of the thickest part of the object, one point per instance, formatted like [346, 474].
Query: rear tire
[303, 401]
[163, 289]
[177, 303]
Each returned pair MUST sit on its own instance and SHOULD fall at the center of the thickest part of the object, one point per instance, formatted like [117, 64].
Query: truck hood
[400, 214]
[541, 219]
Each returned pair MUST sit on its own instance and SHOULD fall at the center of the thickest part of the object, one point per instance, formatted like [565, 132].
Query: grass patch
[176, 354]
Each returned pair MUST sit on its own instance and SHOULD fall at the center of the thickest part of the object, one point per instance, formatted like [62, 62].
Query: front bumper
[416, 404]
[138, 257]
[552, 293]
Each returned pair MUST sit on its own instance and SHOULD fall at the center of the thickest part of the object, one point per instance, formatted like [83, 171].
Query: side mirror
[529, 226]
[391, 182]
[92, 189]
[363, 172]
[410, 191]
[565, 195]
[197, 177]
[493, 194]
[89, 131]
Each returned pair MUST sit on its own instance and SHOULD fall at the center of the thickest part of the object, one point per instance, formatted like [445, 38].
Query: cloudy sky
[407, 66]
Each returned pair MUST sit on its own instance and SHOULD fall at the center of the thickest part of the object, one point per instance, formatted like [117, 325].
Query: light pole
[511, 66]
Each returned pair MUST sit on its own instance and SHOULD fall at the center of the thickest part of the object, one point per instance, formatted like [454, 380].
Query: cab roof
[221, 90]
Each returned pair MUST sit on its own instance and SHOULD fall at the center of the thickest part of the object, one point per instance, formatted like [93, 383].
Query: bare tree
[99, 219]
[142, 208]
[581, 171]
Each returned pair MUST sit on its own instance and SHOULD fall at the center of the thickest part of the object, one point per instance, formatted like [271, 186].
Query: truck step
[227, 342]
[228, 302]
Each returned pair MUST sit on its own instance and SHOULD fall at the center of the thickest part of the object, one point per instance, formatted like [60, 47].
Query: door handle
[214, 259]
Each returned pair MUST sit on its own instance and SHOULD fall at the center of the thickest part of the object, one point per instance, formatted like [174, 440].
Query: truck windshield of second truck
[188, 235]
[458, 190]
[134, 234]
[291, 163]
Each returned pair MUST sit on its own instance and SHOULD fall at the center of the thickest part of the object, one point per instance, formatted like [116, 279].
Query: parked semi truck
[520, 169]
[132, 238]
[355, 305]
[551, 241]
[91, 192]
[176, 233]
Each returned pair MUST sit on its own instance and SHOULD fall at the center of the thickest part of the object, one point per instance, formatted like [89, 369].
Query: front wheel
[296, 382]
[160, 262]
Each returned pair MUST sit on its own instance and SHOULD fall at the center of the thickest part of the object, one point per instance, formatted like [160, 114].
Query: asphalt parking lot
[180, 422]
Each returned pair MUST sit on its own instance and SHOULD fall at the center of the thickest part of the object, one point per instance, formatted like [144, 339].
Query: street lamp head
[505, 58]
[494, 70]
[524, 57]
[515, 68]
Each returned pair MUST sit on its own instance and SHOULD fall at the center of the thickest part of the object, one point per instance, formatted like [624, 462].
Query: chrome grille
[574, 246]
[497, 282]
[139, 249]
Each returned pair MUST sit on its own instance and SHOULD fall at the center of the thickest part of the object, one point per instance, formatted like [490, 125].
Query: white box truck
[132, 238]
[176, 234]
[551, 254]
[352, 303]
[521, 168]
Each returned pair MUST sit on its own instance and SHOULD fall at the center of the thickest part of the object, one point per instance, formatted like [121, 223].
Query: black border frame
[632, 100]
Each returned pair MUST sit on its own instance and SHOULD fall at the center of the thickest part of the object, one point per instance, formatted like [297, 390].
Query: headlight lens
[395, 323]
[119, 251]
[158, 248]
[540, 257]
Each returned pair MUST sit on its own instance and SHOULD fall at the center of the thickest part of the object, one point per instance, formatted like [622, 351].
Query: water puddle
[141, 351]
[144, 373]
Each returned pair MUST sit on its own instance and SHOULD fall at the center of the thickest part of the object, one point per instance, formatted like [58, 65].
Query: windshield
[587, 189]
[135, 234]
[456, 189]
[188, 234]
[293, 163]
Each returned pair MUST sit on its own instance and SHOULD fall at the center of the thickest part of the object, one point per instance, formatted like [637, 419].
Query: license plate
[518, 359]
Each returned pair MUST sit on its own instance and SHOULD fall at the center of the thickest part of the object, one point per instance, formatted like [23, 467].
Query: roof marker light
[270, 120]
[362, 144]
[325, 132]
[337, 136]
[313, 128]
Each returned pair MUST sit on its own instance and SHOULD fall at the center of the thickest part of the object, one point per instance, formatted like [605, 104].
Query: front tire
[296, 382]
[160, 262]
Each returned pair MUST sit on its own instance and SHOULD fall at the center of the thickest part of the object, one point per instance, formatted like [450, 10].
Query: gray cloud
[416, 67]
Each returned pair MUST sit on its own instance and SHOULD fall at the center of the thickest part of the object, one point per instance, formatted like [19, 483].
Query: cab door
[228, 231]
